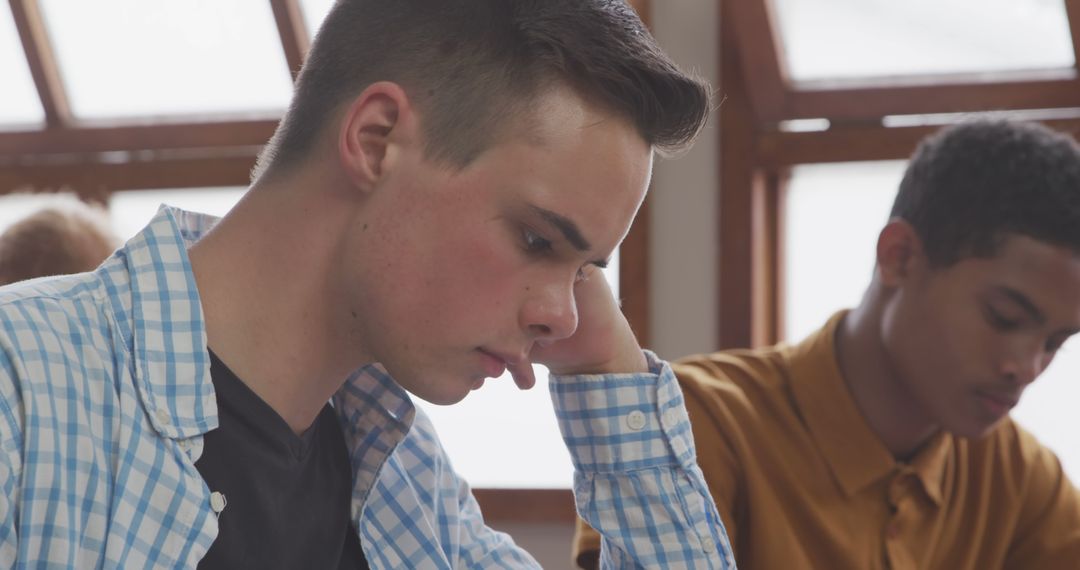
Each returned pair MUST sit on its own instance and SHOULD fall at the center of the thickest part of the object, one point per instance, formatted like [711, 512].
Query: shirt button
[708, 545]
[635, 420]
[217, 502]
[164, 417]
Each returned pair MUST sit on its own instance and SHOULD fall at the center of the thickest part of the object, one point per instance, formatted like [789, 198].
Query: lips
[496, 362]
[999, 403]
[494, 366]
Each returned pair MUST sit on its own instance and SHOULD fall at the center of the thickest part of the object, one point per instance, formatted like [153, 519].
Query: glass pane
[502, 437]
[315, 12]
[861, 38]
[21, 105]
[132, 210]
[834, 214]
[14, 207]
[126, 58]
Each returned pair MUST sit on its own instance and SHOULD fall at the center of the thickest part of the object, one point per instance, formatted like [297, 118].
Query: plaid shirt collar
[172, 365]
[165, 327]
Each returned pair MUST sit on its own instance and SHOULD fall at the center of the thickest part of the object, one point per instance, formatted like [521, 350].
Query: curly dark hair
[970, 185]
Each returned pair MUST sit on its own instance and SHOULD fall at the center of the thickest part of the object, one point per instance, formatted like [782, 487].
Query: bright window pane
[834, 214]
[132, 210]
[21, 105]
[126, 58]
[499, 436]
[315, 12]
[860, 38]
[14, 207]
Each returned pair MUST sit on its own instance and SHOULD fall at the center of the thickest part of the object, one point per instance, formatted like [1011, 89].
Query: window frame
[756, 153]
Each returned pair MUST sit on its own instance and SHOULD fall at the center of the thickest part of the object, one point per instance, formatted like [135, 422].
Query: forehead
[575, 159]
[1049, 275]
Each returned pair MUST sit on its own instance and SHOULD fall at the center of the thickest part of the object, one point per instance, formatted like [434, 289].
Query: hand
[603, 342]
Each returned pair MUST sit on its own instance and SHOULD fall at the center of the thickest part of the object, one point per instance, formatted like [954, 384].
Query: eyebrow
[569, 230]
[1025, 303]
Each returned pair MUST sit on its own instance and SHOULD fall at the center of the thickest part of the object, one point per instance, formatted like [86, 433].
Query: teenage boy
[883, 440]
[436, 200]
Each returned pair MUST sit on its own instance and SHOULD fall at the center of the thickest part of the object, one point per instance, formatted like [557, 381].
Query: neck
[263, 279]
[886, 403]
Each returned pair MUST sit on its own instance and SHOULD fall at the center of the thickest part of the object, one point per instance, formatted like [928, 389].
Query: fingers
[523, 375]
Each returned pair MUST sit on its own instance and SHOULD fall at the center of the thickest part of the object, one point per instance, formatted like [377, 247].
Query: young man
[435, 200]
[65, 236]
[883, 440]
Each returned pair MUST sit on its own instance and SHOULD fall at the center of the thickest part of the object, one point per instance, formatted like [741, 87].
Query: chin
[975, 430]
[447, 401]
[441, 397]
[438, 390]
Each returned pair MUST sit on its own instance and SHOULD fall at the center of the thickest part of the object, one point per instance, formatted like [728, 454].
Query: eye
[999, 321]
[534, 243]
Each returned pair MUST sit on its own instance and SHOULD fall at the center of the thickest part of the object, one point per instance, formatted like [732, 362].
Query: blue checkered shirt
[105, 395]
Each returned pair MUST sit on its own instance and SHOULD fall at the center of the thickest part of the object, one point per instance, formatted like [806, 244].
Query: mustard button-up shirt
[802, 481]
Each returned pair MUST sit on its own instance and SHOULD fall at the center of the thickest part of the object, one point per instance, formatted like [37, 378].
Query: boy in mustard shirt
[883, 440]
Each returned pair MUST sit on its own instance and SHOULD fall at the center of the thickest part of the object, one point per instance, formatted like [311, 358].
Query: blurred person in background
[66, 235]
[884, 440]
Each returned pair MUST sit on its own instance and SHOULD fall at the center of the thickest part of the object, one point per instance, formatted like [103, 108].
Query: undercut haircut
[472, 66]
[970, 186]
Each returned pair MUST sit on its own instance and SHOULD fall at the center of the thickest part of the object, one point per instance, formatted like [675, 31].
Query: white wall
[683, 209]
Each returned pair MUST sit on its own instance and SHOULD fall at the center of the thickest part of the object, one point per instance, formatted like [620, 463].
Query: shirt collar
[172, 363]
[375, 414]
[168, 332]
[854, 453]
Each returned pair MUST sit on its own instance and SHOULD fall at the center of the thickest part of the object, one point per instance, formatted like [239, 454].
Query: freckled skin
[444, 275]
[456, 272]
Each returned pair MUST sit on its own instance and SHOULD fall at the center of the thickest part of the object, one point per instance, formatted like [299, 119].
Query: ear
[899, 252]
[373, 124]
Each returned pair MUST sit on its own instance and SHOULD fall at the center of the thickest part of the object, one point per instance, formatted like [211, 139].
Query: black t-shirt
[287, 496]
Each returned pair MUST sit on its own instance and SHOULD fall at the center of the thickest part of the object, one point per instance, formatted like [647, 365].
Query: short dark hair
[469, 65]
[971, 185]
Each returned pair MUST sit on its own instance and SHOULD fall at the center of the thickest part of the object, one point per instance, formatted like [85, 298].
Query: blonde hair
[66, 235]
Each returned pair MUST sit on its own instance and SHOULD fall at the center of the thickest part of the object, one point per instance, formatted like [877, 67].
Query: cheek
[958, 345]
[922, 341]
[475, 278]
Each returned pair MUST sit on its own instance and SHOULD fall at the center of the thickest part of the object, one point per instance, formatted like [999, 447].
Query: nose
[550, 313]
[1023, 366]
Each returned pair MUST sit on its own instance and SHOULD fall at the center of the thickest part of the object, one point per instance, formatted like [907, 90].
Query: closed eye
[534, 244]
[999, 321]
